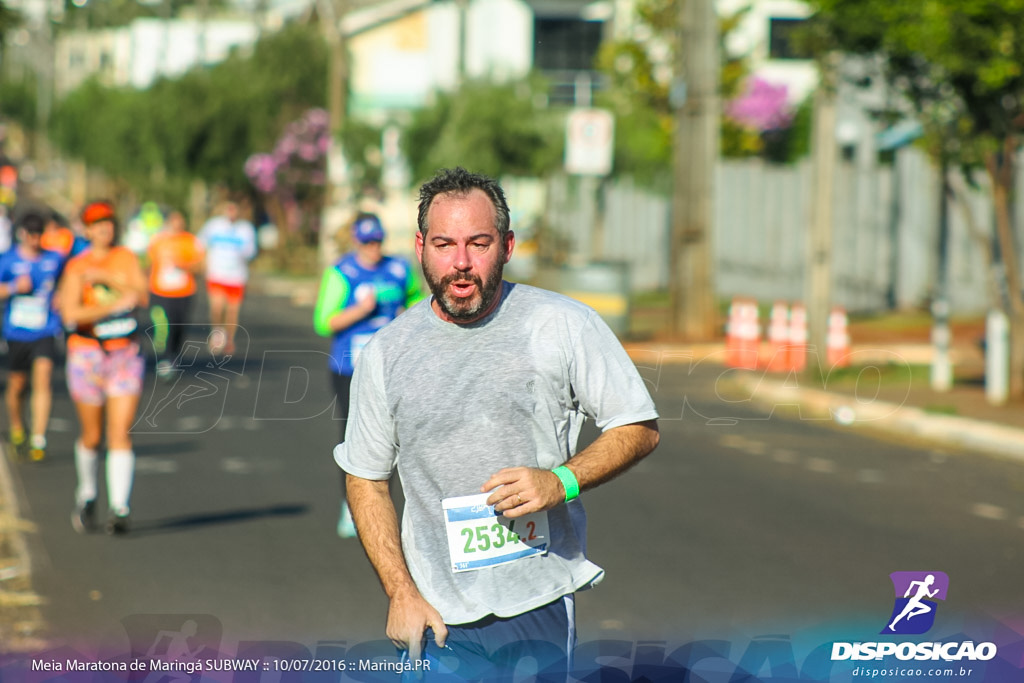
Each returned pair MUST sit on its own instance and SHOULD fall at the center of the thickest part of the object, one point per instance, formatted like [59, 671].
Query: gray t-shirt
[453, 404]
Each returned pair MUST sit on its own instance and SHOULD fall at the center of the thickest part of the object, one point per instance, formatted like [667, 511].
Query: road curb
[11, 511]
[899, 420]
[23, 635]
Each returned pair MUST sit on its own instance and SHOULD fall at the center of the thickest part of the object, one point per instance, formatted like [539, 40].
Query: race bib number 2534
[478, 537]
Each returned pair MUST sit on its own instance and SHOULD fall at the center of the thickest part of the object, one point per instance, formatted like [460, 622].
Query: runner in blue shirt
[28, 276]
[361, 293]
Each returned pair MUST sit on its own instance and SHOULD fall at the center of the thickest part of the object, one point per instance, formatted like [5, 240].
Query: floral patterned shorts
[94, 374]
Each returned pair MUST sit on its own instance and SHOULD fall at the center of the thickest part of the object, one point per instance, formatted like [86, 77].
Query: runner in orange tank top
[99, 292]
[175, 256]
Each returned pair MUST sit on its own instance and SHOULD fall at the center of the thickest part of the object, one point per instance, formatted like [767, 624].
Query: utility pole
[45, 76]
[942, 366]
[460, 68]
[695, 160]
[337, 193]
[204, 17]
[819, 242]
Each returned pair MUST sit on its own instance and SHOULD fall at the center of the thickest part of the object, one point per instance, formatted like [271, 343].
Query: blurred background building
[403, 54]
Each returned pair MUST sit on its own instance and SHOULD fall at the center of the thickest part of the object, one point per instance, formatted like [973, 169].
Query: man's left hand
[518, 491]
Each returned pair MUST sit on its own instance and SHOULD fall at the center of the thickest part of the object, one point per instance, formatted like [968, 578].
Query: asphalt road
[742, 524]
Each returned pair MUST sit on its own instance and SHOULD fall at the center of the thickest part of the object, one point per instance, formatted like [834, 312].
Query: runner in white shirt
[230, 244]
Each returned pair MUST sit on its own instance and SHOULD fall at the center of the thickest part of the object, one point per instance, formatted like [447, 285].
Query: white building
[147, 49]
[402, 50]
[764, 37]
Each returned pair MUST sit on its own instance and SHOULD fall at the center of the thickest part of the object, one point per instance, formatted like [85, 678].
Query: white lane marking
[821, 466]
[732, 441]
[59, 424]
[785, 456]
[755, 448]
[751, 446]
[249, 465]
[193, 423]
[870, 477]
[155, 466]
[197, 424]
[228, 423]
[987, 511]
[236, 466]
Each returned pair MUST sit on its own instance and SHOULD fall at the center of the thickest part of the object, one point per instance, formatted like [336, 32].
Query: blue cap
[368, 229]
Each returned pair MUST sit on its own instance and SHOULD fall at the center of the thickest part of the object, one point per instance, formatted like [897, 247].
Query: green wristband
[568, 479]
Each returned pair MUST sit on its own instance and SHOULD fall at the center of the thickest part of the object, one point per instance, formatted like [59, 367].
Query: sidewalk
[896, 399]
[888, 391]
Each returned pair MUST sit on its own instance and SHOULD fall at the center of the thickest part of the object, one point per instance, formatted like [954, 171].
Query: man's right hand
[409, 615]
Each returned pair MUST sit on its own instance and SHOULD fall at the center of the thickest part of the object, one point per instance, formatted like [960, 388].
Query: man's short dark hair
[459, 181]
[32, 222]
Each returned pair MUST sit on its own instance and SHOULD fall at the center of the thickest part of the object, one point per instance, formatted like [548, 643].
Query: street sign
[589, 142]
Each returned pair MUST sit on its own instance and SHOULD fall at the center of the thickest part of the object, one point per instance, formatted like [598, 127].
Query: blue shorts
[538, 643]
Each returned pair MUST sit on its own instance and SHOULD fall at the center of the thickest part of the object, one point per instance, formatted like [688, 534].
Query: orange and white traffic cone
[743, 335]
[837, 341]
[750, 335]
[797, 356]
[778, 338]
[732, 339]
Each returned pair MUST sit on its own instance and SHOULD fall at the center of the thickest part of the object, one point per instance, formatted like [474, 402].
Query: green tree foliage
[638, 73]
[639, 70]
[9, 19]
[490, 128]
[200, 126]
[18, 101]
[960, 65]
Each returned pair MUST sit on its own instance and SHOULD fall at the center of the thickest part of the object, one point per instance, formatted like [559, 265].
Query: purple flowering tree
[291, 179]
[761, 110]
[761, 106]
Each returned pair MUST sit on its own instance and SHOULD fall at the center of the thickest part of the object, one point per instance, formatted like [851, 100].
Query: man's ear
[510, 243]
[419, 246]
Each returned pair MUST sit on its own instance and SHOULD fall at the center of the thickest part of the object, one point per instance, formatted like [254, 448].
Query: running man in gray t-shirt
[477, 397]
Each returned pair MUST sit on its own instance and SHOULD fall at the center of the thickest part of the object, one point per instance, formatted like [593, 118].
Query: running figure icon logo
[916, 592]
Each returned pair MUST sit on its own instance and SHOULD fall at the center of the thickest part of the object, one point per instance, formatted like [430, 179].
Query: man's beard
[465, 309]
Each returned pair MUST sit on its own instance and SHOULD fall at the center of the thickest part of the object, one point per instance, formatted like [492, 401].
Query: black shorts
[21, 355]
[342, 386]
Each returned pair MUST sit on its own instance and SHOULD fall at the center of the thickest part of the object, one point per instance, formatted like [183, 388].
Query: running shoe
[37, 448]
[217, 340]
[164, 369]
[346, 527]
[83, 519]
[117, 525]
[18, 442]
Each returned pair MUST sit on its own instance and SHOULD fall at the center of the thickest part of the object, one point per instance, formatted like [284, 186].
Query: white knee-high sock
[85, 465]
[120, 472]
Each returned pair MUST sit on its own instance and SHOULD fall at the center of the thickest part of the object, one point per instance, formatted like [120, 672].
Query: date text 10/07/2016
[192, 666]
